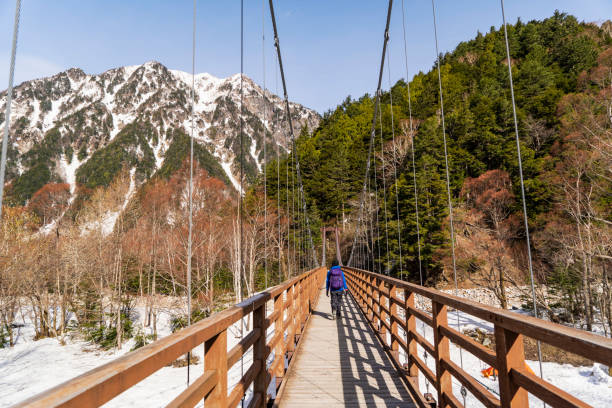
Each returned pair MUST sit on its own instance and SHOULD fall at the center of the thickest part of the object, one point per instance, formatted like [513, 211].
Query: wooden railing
[380, 301]
[293, 304]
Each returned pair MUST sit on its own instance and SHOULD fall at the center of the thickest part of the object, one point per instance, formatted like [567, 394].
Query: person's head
[335, 262]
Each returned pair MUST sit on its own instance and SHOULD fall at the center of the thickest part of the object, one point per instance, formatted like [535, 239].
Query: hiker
[336, 283]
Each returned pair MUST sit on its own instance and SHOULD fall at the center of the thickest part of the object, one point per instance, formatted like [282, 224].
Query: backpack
[335, 279]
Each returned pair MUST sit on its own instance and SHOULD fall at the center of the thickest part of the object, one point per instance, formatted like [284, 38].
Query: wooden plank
[481, 393]
[452, 401]
[256, 401]
[419, 314]
[423, 342]
[238, 392]
[477, 349]
[196, 392]
[547, 392]
[341, 363]
[233, 356]
[426, 371]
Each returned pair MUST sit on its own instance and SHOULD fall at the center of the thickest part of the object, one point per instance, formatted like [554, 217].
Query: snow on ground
[34, 366]
[590, 384]
[31, 367]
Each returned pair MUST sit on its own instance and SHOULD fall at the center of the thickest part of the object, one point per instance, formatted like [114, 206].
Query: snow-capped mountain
[83, 129]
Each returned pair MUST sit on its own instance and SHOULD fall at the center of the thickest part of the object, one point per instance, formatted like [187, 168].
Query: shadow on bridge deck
[341, 363]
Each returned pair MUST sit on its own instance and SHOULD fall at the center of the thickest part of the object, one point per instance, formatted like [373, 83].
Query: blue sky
[331, 48]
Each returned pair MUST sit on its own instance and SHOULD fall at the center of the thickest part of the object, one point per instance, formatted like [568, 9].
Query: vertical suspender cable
[190, 237]
[520, 164]
[448, 192]
[416, 197]
[278, 205]
[288, 111]
[399, 230]
[372, 132]
[416, 201]
[263, 123]
[289, 257]
[376, 206]
[241, 193]
[293, 219]
[384, 179]
[9, 97]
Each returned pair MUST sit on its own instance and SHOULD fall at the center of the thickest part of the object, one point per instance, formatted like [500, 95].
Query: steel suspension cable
[520, 165]
[289, 258]
[412, 135]
[416, 197]
[372, 130]
[278, 192]
[376, 206]
[382, 156]
[9, 98]
[288, 111]
[293, 218]
[263, 123]
[399, 230]
[190, 189]
[448, 192]
[241, 198]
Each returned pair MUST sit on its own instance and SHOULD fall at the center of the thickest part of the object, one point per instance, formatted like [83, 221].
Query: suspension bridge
[377, 353]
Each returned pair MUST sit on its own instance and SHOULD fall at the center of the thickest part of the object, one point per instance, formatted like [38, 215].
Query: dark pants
[336, 301]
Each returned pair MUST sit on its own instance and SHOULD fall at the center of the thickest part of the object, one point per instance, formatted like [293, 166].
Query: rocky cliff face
[83, 129]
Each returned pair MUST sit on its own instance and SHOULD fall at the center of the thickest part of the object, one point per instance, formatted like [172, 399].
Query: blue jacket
[344, 287]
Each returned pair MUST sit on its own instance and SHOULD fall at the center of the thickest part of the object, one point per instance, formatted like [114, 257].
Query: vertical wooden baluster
[291, 317]
[381, 311]
[377, 303]
[441, 343]
[369, 297]
[413, 370]
[303, 306]
[362, 290]
[394, 316]
[299, 309]
[215, 358]
[260, 384]
[510, 354]
[279, 349]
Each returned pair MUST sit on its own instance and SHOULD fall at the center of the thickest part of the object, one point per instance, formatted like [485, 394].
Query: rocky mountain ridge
[83, 129]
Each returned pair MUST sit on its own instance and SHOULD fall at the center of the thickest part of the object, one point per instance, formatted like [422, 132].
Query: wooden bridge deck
[341, 363]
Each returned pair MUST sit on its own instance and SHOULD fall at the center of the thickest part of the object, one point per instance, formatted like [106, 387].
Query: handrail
[379, 303]
[101, 384]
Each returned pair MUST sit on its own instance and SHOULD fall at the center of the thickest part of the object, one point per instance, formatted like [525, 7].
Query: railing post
[441, 343]
[394, 316]
[369, 297]
[413, 369]
[292, 319]
[215, 358]
[510, 354]
[260, 384]
[381, 311]
[278, 370]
